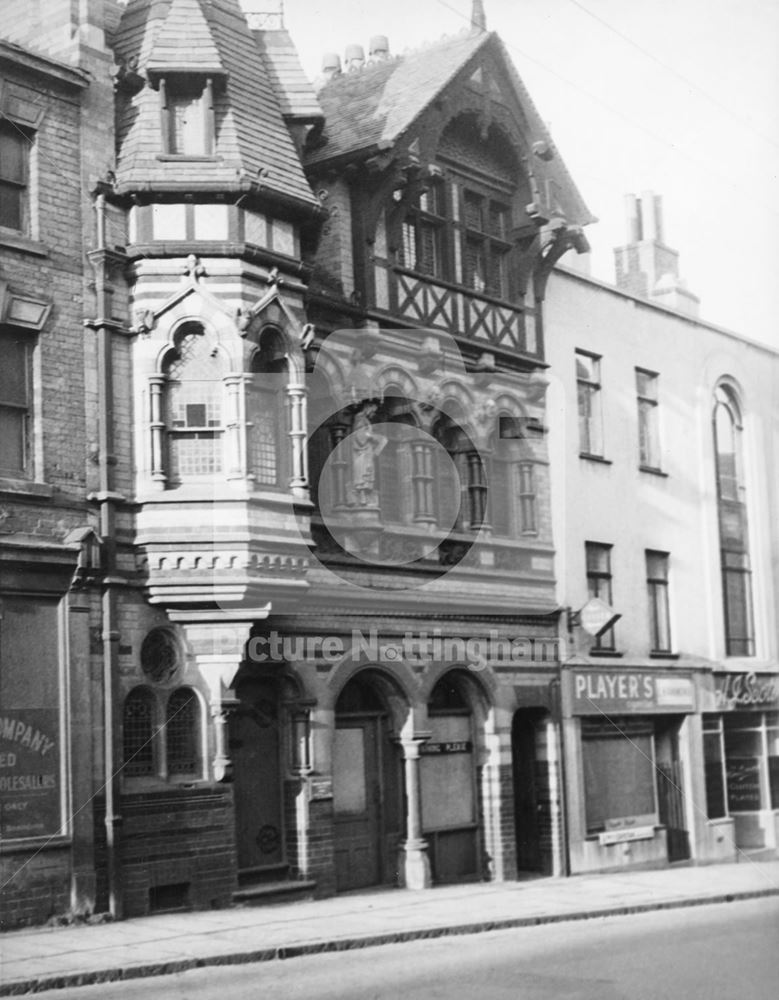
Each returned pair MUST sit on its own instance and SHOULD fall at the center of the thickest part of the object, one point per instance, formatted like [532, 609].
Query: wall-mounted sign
[596, 692]
[453, 746]
[743, 781]
[320, 789]
[29, 774]
[624, 836]
[739, 691]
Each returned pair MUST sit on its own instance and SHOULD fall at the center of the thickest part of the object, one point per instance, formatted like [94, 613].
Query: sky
[680, 97]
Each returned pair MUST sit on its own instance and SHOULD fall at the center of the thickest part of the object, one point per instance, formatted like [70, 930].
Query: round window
[159, 655]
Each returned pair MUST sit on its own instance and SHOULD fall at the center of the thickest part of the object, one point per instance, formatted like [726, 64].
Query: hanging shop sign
[736, 692]
[29, 774]
[620, 692]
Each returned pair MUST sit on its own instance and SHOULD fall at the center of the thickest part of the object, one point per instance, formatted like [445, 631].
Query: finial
[478, 17]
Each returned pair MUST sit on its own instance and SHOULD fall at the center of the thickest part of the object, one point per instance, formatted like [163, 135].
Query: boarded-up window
[619, 781]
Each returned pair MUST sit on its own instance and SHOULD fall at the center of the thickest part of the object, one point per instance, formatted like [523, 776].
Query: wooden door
[528, 803]
[356, 802]
[255, 750]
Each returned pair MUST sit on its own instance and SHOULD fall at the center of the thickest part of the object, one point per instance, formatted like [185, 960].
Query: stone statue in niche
[365, 449]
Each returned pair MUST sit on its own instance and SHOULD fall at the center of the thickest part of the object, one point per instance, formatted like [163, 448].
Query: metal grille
[182, 732]
[138, 726]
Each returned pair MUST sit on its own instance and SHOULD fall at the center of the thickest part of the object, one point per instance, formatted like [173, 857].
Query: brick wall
[170, 839]
[35, 888]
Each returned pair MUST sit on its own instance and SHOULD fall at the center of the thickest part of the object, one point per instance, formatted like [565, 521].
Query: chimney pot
[354, 57]
[379, 48]
[331, 64]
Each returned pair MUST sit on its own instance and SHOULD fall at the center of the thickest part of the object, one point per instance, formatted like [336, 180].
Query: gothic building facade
[286, 494]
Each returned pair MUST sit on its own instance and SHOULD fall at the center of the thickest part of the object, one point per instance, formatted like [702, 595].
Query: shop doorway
[532, 790]
[367, 788]
[255, 749]
[670, 790]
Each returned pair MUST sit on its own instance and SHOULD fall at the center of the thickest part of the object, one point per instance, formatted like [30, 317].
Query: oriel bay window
[194, 405]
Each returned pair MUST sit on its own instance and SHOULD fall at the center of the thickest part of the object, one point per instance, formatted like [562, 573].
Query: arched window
[266, 410]
[194, 405]
[182, 734]
[461, 483]
[733, 529]
[395, 466]
[327, 427]
[138, 733]
[512, 487]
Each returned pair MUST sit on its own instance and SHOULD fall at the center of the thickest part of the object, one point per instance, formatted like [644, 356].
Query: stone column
[235, 428]
[218, 641]
[157, 430]
[416, 864]
[298, 482]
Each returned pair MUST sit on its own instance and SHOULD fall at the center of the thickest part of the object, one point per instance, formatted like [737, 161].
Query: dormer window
[187, 103]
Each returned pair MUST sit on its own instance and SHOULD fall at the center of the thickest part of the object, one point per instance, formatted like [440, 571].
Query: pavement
[48, 958]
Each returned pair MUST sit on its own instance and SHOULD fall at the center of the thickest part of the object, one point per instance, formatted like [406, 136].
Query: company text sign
[626, 691]
[29, 774]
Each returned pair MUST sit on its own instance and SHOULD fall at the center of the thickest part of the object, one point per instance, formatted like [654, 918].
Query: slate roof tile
[294, 90]
[251, 135]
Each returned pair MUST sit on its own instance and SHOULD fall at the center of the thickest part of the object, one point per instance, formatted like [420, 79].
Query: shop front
[626, 747]
[741, 756]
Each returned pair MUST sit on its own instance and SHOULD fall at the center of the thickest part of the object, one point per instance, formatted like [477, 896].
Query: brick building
[285, 468]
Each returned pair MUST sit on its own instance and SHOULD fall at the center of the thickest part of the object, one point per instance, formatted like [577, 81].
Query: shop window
[772, 746]
[657, 592]
[14, 154]
[747, 742]
[15, 404]
[619, 773]
[138, 734]
[182, 734]
[194, 406]
[598, 560]
[187, 116]
[648, 419]
[733, 531]
[588, 394]
[714, 767]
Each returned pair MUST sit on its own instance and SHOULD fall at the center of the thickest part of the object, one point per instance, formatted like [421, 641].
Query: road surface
[728, 951]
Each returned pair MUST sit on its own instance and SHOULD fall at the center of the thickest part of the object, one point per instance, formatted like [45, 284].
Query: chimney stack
[645, 266]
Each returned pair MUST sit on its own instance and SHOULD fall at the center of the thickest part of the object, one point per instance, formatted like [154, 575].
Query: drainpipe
[103, 261]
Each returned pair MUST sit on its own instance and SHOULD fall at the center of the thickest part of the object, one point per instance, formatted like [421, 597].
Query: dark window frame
[590, 423]
[15, 185]
[17, 414]
[599, 584]
[658, 594]
[175, 90]
[648, 407]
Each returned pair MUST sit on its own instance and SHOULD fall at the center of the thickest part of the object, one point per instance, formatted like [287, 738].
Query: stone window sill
[18, 241]
[595, 458]
[25, 488]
